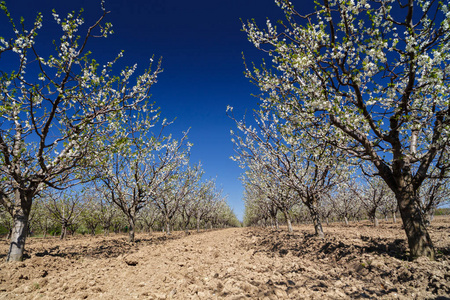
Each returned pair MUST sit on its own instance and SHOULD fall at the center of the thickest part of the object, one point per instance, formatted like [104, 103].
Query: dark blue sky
[201, 44]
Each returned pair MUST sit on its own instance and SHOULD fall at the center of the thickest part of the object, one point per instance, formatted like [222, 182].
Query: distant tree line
[86, 212]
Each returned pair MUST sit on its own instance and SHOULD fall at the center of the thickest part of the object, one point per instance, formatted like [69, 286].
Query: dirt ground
[351, 262]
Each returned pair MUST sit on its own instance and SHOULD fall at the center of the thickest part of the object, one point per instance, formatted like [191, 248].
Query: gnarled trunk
[419, 240]
[19, 230]
[131, 233]
[63, 229]
[373, 216]
[317, 224]
[288, 220]
[167, 220]
[18, 235]
[315, 217]
[186, 221]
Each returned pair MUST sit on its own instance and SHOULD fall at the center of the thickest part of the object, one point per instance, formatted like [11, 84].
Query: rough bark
[373, 217]
[63, 230]
[288, 220]
[168, 232]
[18, 235]
[315, 217]
[186, 221]
[19, 231]
[317, 225]
[419, 240]
[131, 232]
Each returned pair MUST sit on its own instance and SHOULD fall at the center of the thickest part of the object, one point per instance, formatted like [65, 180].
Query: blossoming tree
[169, 197]
[371, 78]
[138, 168]
[373, 193]
[53, 109]
[260, 179]
[297, 162]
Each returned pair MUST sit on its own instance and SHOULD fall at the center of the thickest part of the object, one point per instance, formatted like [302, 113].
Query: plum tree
[54, 109]
[370, 78]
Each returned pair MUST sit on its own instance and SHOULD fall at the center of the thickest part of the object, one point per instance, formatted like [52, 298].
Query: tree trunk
[315, 217]
[18, 235]
[419, 240]
[428, 217]
[288, 220]
[63, 230]
[317, 224]
[131, 233]
[394, 217]
[373, 218]
[186, 225]
[167, 226]
[45, 228]
[198, 224]
[346, 221]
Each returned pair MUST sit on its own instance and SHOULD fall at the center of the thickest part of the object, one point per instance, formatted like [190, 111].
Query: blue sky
[201, 44]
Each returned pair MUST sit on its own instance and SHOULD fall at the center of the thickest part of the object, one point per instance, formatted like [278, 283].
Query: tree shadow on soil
[104, 249]
[396, 248]
[302, 244]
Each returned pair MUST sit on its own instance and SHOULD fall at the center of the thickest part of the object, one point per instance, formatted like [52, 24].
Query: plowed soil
[351, 262]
